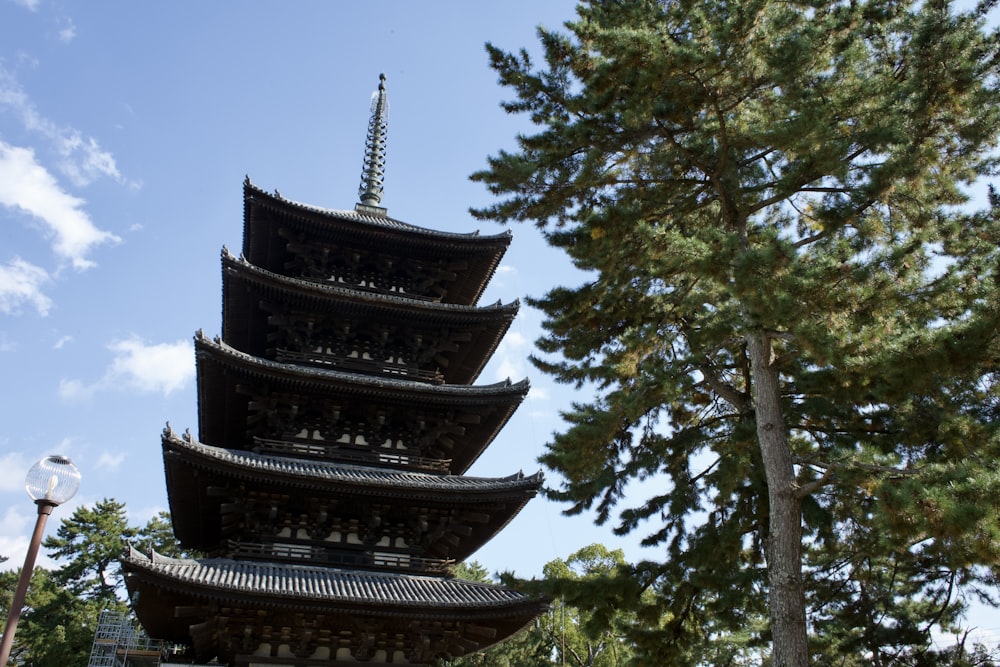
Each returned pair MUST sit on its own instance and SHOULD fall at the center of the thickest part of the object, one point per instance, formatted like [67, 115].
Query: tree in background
[585, 634]
[568, 634]
[529, 648]
[158, 535]
[56, 627]
[90, 542]
[62, 607]
[789, 313]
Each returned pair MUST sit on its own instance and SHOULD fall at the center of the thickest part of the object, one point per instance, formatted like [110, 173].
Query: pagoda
[337, 417]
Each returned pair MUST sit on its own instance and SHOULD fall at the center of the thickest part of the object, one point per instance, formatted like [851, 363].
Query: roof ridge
[360, 379]
[350, 473]
[381, 221]
[364, 295]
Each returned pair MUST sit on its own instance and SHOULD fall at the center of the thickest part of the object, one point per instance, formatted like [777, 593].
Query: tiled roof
[292, 584]
[354, 216]
[328, 472]
[362, 382]
[352, 293]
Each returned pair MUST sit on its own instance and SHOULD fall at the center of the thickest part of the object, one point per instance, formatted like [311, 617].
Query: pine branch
[831, 469]
[809, 488]
[694, 480]
[729, 393]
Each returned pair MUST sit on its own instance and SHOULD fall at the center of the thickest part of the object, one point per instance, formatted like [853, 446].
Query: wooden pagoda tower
[337, 419]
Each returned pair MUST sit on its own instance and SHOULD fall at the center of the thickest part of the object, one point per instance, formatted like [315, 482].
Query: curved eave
[492, 322]
[222, 410]
[381, 233]
[381, 223]
[160, 587]
[341, 478]
[319, 294]
[291, 586]
[195, 471]
[327, 380]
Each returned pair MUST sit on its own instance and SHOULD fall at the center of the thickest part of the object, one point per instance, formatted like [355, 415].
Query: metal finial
[373, 172]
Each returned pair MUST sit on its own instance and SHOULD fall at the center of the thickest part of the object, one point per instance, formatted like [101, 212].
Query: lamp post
[51, 482]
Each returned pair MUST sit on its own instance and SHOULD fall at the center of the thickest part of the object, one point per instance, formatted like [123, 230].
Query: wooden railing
[315, 449]
[304, 553]
[368, 366]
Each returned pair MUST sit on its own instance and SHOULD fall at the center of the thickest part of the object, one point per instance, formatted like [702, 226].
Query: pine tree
[529, 648]
[90, 542]
[63, 606]
[790, 315]
[158, 535]
[571, 632]
[580, 636]
[57, 627]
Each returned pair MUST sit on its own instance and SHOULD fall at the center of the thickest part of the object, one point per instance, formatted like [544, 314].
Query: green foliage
[62, 607]
[472, 571]
[961, 654]
[569, 633]
[529, 648]
[158, 535]
[90, 542]
[766, 191]
[586, 634]
[56, 628]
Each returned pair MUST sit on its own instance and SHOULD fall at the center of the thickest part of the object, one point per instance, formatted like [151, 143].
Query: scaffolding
[120, 642]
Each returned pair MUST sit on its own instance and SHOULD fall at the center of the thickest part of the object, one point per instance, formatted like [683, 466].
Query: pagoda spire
[373, 171]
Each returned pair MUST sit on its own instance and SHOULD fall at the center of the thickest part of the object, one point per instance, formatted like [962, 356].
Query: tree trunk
[784, 545]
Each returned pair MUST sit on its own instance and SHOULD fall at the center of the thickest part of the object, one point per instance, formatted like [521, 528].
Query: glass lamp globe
[53, 480]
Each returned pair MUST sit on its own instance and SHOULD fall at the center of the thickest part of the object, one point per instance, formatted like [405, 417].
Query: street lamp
[51, 482]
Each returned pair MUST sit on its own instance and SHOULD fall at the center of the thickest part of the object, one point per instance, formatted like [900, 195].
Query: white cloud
[143, 515]
[61, 343]
[538, 394]
[514, 340]
[15, 469]
[12, 96]
[67, 32]
[165, 367]
[504, 277]
[143, 367]
[74, 390]
[110, 462]
[31, 5]
[508, 367]
[15, 529]
[82, 159]
[20, 283]
[509, 360]
[16, 525]
[28, 186]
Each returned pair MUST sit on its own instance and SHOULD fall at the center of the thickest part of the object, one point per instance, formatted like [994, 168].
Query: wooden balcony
[318, 555]
[318, 449]
[359, 365]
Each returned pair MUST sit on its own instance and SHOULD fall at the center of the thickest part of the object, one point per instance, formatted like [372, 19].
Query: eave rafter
[221, 493]
[243, 399]
[278, 231]
[299, 321]
[317, 615]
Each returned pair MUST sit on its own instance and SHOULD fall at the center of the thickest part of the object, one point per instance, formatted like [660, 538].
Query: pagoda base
[262, 613]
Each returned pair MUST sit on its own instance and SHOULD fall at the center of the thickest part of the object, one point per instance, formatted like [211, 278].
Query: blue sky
[126, 130]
